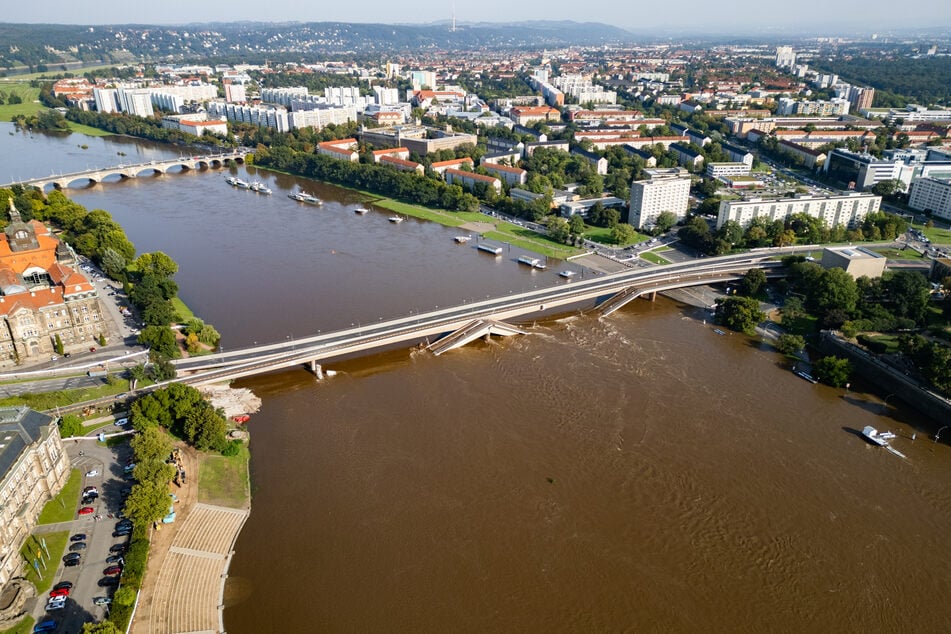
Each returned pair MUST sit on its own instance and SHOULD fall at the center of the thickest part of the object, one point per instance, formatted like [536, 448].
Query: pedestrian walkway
[189, 587]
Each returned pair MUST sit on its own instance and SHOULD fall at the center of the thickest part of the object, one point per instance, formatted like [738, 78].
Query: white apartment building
[931, 194]
[663, 190]
[785, 57]
[386, 96]
[318, 117]
[283, 96]
[269, 117]
[33, 469]
[846, 209]
[107, 99]
[136, 101]
[235, 92]
[718, 170]
[819, 107]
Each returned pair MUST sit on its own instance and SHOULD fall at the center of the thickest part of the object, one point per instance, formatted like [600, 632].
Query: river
[634, 473]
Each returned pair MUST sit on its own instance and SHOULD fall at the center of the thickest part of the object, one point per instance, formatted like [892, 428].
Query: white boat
[396, 219]
[231, 180]
[260, 188]
[361, 210]
[567, 273]
[462, 239]
[873, 436]
[528, 260]
[302, 197]
[240, 184]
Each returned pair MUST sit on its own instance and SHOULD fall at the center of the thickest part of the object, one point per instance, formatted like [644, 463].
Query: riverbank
[188, 566]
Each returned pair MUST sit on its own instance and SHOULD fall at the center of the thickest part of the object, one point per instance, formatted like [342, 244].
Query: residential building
[440, 167]
[420, 140]
[386, 96]
[524, 115]
[196, 124]
[810, 158]
[43, 296]
[265, 116]
[136, 101]
[931, 194]
[663, 190]
[511, 175]
[530, 148]
[686, 156]
[785, 57]
[343, 149]
[315, 116]
[860, 98]
[737, 153]
[107, 99]
[235, 93]
[402, 164]
[396, 152]
[597, 161]
[839, 210]
[647, 157]
[820, 107]
[468, 180]
[34, 468]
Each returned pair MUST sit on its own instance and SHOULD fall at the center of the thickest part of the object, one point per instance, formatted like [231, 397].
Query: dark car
[48, 625]
[122, 532]
[109, 581]
[113, 570]
[78, 537]
[72, 557]
[72, 562]
[115, 559]
[124, 523]
[63, 585]
[77, 546]
[118, 548]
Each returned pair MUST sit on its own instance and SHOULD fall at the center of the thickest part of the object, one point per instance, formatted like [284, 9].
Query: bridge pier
[317, 370]
[653, 295]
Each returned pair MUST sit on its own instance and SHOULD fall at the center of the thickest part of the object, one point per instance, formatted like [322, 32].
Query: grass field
[56, 544]
[653, 257]
[223, 480]
[61, 398]
[62, 508]
[603, 235]
[447, 218]
[26, 92]
[938, 236]
[183, 314]
[530, 241]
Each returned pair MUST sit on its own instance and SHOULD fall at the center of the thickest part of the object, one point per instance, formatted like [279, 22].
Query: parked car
[77, 546]
[122, 532]
[61, 592]
[122, 422]
[63, 584]
[72, 557]
[92, 474]
[113, 570]
[102, 601]
[108, 581]
[72, 562]
[115, 559]
[56, 604]
[89, 488]
[117, 548]
[87, 510]
[45, 626]
[78, 537]
[126, 523]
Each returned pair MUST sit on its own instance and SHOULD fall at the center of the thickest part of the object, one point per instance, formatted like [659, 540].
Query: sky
[735, 17]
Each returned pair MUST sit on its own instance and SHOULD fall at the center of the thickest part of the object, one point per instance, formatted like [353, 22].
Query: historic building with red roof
[41, 294]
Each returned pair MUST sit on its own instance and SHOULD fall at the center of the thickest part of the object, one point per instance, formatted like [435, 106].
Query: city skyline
[745, 17]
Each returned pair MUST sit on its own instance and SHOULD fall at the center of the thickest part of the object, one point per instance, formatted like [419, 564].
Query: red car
[62, 592]
[87, 510]
[112, 570]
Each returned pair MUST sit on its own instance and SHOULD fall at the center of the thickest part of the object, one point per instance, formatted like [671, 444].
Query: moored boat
[462, 239]
[880, 439]
[396, 219]
[567, 273]
[360, 210]
[303, 197]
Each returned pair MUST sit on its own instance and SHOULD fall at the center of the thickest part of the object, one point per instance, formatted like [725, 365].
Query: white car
[92, 474]
[56, 603]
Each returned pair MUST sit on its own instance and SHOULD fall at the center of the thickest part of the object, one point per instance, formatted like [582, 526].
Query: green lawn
[23, 627]
[804, 326]
[62, 508]
[603, 235]
[26, 92]
[87, 130]
[938, 236]
[530, 241]
[653, 257]
[183, 314]
[900, 254]
[447, 218]
[56, 544]
[223, 480]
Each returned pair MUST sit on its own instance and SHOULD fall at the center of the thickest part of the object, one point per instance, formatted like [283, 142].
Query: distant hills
[55, 44]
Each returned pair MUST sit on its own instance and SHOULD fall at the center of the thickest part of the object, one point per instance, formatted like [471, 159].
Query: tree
[833, 371]
[136, 374]
[160, 339]
[665, 221]
[753, 282]
[833, 288]
[157, 263]
[147, 503]
[908, 293]
[205, 427]
[58, 344]
[622, 233]
[105, 627]
[739, 313]
[70, 425]
[576, 224]
[151, 444]
[558, 229]
[790, 344]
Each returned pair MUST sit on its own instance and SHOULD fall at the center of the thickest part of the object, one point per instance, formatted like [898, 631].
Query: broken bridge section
[472, 331]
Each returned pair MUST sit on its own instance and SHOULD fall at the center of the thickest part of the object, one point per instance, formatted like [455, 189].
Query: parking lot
[107, 464]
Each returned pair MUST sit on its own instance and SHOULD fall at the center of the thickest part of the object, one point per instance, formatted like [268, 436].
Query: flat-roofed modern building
[663, 190]
[847, 209]
[856, 261]
[931, 194]
[33, 469]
